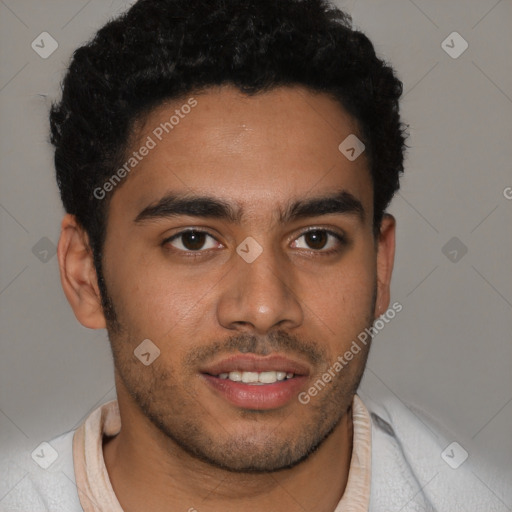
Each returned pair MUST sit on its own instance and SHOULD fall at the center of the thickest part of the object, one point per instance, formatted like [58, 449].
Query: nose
[259, 296]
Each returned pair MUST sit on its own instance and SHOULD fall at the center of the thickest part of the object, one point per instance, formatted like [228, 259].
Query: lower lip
[257, 397]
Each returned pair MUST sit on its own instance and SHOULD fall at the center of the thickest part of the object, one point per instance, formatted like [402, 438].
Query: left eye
[318, 239]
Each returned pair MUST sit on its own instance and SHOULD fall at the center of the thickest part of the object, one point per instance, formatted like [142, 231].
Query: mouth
[256, 383]
[256, 378]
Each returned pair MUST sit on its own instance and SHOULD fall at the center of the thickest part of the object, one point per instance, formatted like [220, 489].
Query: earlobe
[78, 275]
[385, 260]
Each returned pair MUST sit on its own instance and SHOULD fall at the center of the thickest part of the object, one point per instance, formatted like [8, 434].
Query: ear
[78, 275]
[385, 260]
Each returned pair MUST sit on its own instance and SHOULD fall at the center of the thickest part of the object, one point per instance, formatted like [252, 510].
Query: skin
[182, 446]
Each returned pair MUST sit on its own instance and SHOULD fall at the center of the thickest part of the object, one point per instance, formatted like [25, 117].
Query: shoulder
[418, 464]
[40, 479]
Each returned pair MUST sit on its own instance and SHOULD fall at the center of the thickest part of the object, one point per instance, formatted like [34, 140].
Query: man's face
[213, 304]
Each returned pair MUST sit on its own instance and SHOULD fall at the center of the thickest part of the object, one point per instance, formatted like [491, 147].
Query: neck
[148, 471]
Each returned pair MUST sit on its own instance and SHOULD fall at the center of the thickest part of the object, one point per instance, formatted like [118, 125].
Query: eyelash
[199, 253]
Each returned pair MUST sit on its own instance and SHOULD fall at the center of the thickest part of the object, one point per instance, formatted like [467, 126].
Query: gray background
[448, 352]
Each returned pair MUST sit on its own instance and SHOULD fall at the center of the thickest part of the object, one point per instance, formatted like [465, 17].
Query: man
[225, 167]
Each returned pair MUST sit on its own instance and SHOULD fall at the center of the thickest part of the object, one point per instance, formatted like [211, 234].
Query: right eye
[191, 240]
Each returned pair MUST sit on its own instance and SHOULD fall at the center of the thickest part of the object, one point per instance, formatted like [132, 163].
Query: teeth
[267, 377]
[249, 377]
[235, 376]
[256, 378]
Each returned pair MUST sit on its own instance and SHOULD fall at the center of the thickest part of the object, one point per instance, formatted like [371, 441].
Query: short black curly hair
[165, 49]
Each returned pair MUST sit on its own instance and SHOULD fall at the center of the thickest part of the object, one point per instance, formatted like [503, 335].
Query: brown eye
[321, 240]
[191, 240]
[316, 239]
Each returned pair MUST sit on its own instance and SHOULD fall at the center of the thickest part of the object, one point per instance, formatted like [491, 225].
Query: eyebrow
[173, 205]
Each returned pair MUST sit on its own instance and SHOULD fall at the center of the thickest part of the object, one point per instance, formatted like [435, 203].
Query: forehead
[256, 151]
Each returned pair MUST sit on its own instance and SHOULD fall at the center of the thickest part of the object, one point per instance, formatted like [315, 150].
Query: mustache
[277, 341]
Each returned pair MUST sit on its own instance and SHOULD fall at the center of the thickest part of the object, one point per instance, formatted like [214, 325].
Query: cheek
[343, 299]
[347, 300]
[154, 298]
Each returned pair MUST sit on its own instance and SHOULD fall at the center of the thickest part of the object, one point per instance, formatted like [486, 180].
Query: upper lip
[253, 363]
